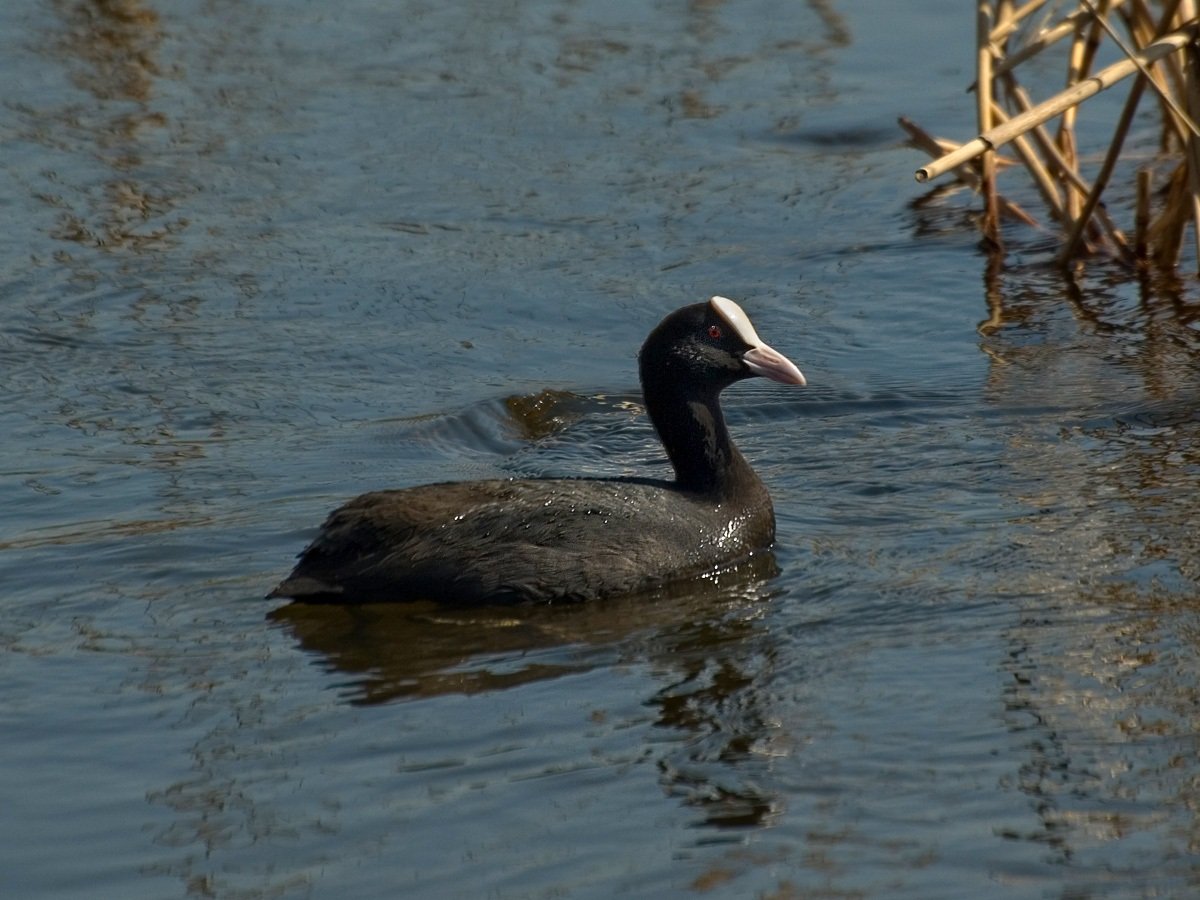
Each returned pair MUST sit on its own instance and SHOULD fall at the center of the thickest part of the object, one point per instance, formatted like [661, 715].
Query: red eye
[714, 331]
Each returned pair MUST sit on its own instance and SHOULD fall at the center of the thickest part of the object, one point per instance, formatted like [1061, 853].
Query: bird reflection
[706, 637]
[395, 651]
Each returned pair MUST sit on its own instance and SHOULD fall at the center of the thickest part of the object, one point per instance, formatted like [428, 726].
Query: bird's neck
[698, 443]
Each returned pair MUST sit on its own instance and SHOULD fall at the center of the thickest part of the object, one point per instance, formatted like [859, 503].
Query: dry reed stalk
[1096, 26]
[983, 113]
[1013, 211]
[965, 173]
[1193, 144]
[1141, 222]
[1165, 234]
[1051, 162]
[1139, 21]
[1084, 42]
[1102, 225]
[1143, 29]
[1048, 109]
[923, 140]
[1181, 74]
[1068, 158]
[1047, 38]
[1172, 83]
[936, 146]
[1045, 141]
[1005, 14]
[1041, 176]
[1006, 26]
[1102, 177]
[1165, 95]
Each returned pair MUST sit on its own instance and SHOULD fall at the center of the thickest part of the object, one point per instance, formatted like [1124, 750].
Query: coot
[557, 539]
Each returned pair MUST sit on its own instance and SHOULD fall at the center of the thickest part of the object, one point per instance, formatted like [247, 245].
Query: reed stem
[1048, 109]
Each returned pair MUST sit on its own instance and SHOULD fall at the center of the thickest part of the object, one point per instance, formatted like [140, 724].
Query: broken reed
[1160, 52]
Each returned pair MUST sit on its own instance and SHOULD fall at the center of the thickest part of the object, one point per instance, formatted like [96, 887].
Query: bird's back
[509, 541]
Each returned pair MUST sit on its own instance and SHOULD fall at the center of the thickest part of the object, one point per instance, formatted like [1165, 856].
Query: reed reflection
[112, 49]
[1105, 478]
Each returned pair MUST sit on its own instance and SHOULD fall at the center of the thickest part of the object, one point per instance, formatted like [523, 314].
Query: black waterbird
[557, 539]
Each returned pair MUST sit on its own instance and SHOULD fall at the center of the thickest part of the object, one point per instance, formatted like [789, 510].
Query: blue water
[260, 257]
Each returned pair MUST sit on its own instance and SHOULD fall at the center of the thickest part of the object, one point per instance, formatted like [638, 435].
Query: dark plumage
[559, 539]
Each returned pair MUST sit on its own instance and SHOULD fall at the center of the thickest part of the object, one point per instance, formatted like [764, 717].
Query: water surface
[260, 257]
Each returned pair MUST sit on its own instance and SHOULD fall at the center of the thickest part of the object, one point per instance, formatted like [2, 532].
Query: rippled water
[259, 257]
